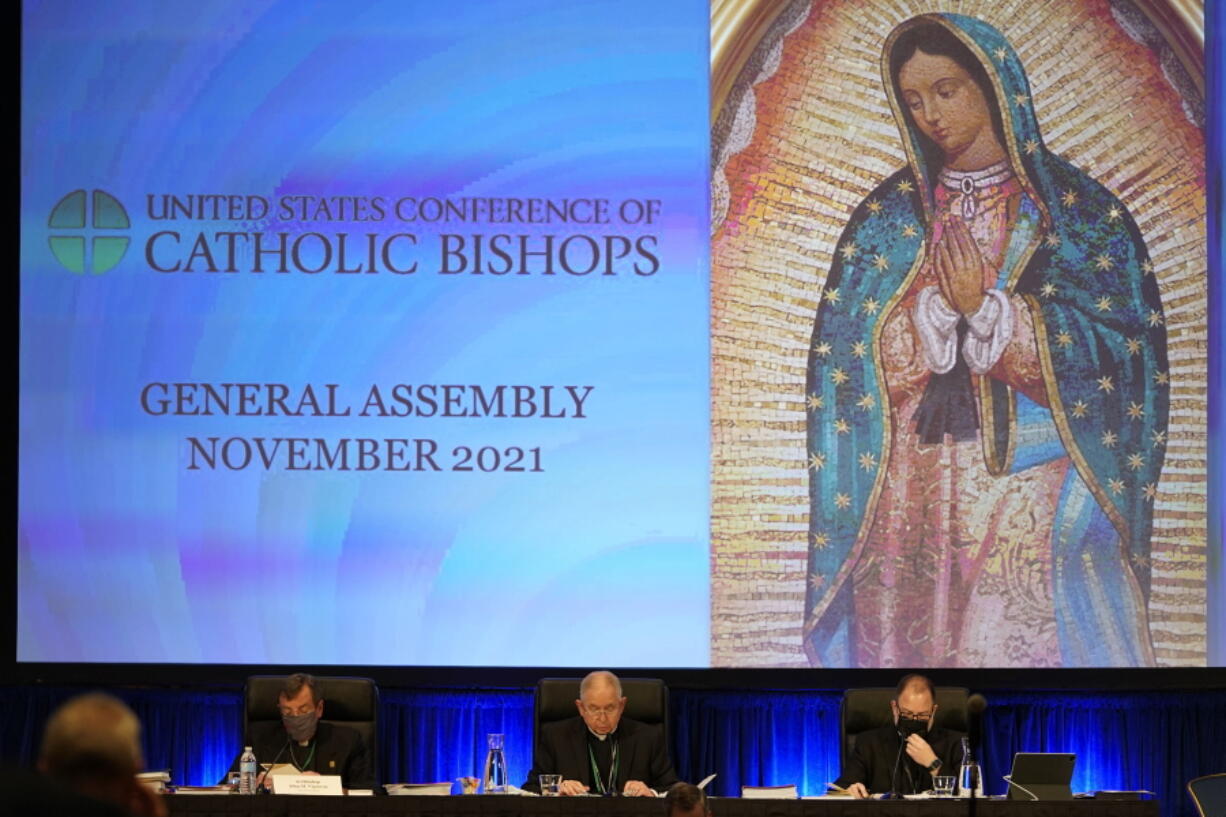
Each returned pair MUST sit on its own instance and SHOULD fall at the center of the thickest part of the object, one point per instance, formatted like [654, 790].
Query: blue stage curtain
[436, 736]
[1156, 741]
[424, 736]
[194, 734]
[757, 738]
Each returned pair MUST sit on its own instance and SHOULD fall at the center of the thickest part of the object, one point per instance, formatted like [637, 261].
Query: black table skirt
[233, 805]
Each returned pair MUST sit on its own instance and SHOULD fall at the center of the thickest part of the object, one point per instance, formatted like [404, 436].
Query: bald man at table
[904, 756]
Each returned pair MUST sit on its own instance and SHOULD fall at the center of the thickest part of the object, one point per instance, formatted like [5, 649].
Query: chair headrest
[345, 699]
[646, 699]
[869, 708]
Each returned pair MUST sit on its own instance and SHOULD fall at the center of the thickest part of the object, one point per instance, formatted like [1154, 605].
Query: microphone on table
[893, 794]
[264, 783]
[975, 705]
[278, 755]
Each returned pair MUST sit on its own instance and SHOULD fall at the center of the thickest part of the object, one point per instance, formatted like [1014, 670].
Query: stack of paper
[155, 780]
[203, 790]
[787, 792]
[418, 788]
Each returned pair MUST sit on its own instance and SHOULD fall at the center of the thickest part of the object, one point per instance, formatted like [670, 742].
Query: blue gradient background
[126, 556]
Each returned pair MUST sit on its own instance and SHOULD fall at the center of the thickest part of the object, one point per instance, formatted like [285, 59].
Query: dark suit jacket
[872, 761]
[561, 748]
[338, 750]
[30, 794]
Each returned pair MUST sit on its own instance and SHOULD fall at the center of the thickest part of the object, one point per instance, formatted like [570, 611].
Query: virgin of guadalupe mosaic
[987, 389]
[1010, 319]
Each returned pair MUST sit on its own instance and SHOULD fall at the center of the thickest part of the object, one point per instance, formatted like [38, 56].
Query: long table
[233, 805]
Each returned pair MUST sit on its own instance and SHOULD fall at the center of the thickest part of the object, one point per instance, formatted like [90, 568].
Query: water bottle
[247, 771]
[970, 780]
[495, 780]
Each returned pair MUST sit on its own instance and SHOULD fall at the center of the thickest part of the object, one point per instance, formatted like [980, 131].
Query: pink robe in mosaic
[956, 568]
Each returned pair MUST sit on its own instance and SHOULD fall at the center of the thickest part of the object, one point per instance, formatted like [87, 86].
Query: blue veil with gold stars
[1077, 258]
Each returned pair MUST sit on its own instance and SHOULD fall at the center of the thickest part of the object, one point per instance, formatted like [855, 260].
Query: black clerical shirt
[602, 750]
[872, 762]
[338, 750]
[562, 748]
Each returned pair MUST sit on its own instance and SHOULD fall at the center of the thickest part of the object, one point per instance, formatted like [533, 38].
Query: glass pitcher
[495, 778]
[970, 776]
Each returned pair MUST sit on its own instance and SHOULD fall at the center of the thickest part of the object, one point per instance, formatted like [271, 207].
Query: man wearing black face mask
[310, 746]
[904, 757]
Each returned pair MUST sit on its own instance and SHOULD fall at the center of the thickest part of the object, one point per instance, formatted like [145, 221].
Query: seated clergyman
[903, 757]
[599, 751]
[302, 741]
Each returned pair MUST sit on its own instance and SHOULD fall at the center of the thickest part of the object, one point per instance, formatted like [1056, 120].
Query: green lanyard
[307, 763]
[600, 784]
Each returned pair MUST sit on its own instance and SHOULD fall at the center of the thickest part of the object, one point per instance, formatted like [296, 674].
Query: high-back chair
[868, 708]
[352, 702]
[646, 701]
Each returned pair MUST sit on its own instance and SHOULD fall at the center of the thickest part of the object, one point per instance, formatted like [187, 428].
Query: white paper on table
[281, 768]
[306, 784]
[701, 786]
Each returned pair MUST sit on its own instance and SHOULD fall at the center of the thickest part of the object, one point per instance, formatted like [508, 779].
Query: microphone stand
[264, 785]
[971, 807]
[902, 742]
[975, 706]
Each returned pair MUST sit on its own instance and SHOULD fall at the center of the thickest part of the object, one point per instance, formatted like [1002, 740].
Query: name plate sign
[306, 784]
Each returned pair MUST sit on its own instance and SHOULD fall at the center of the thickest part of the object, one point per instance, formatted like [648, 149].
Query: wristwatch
[934, 765]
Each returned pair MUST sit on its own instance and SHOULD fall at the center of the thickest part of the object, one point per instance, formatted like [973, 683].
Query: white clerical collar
[601, 738]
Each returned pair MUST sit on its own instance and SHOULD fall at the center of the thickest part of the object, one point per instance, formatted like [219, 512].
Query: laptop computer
[1042, 776]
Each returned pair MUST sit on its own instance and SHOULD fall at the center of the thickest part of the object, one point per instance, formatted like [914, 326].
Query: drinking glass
[551, 785]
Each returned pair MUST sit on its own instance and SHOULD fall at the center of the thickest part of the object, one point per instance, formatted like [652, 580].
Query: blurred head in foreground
[92, 745]
[686, 800]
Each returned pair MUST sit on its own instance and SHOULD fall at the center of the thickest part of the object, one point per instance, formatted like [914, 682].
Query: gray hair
[600, 678]
[92, 736]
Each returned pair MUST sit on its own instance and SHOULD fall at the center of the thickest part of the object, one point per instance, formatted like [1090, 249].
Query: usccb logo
[92, 218]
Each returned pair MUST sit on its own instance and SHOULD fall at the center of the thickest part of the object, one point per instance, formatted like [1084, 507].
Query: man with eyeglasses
[300, 740]
[904, 757]
[599, 751]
